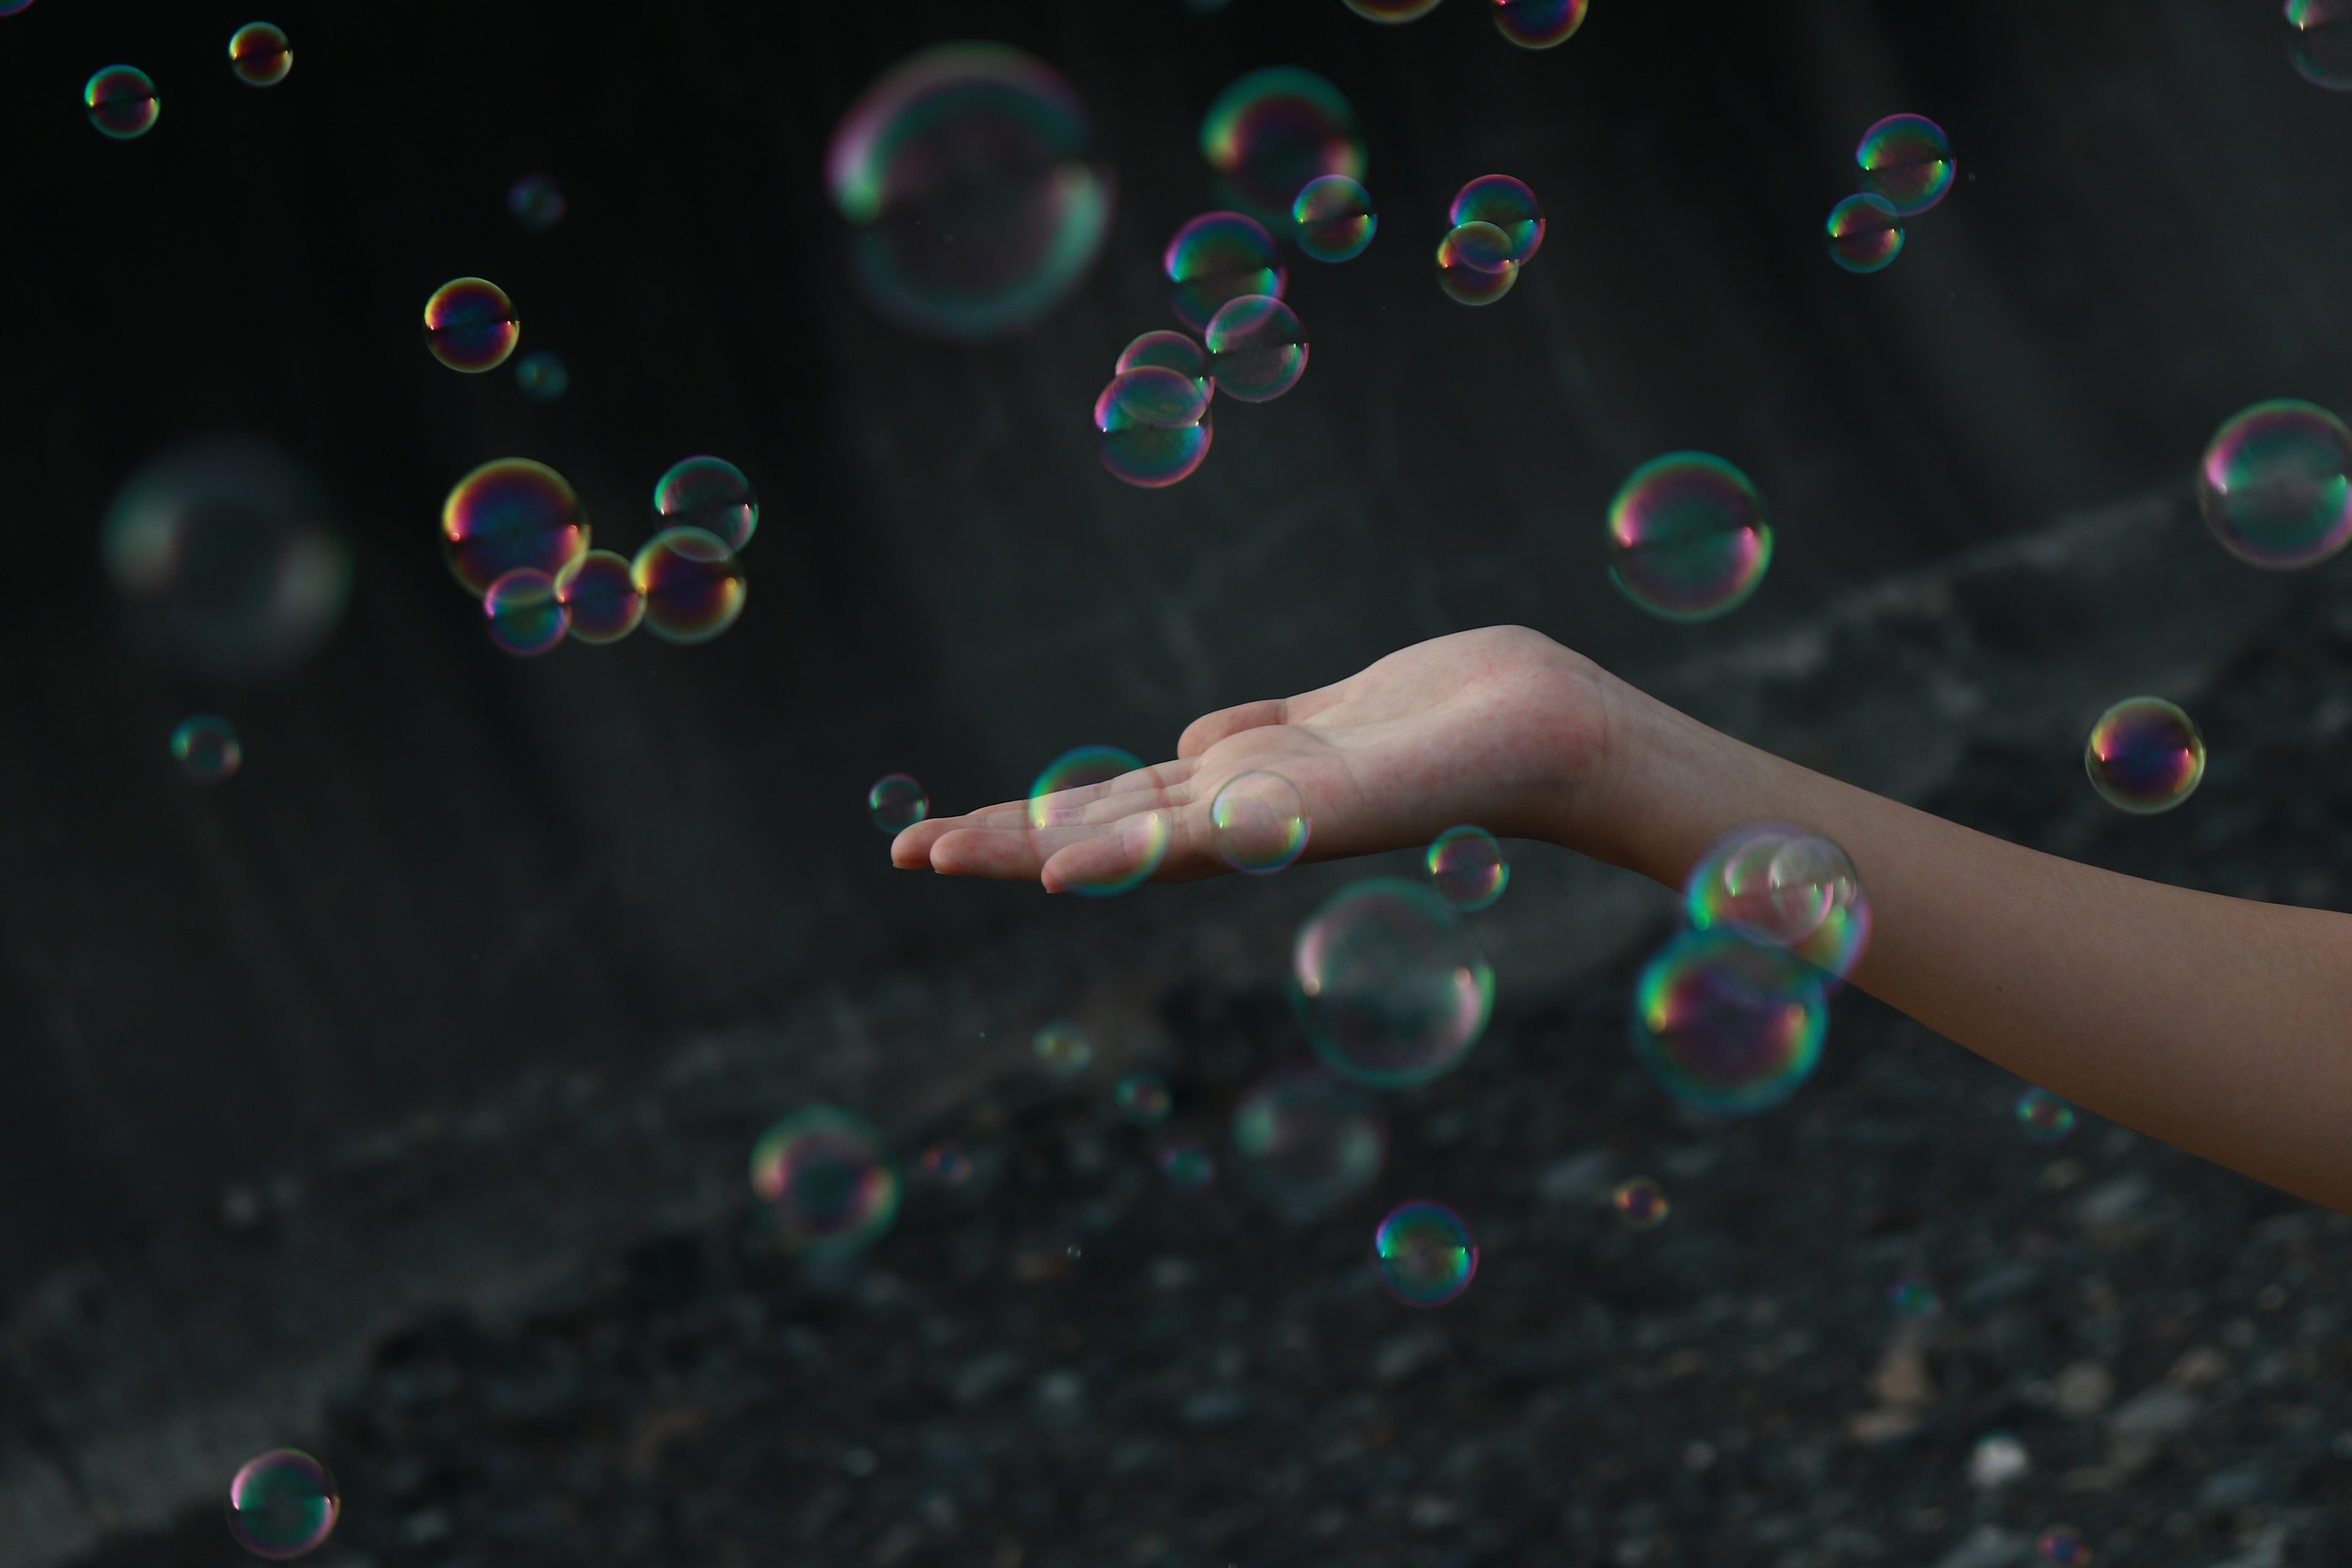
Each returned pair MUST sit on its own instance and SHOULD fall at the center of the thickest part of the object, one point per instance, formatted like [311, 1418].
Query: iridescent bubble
[1061, 1048]
[282, 1504]
[510, 513]
[599, 596]
[1689, 539]
[2045, 1117]
[710, 494]
[1640, 1203]
[1509, 206]
[227, 559]
[946, 1165]
[2319, 42]
[1914, 1296]
[1152, 426]
[897, 803]
[1468, 867]
[121, 102]
[1216, 257]
[1069, 803]
[2062, 1546]
[1186, 1167]
[827, 1181]
[1164, 349]
[1726, 1025]
[693, 586]
[1333, 218]
[1258, 823]
[1779, 886]
[542, 377]
[2144, 756]
[524, 614]
[976, 204]
[1274, 130]
[1863, 233]
[1539, 24]
[258, 54]
[1475, 265]
[1142, 1097]
[1906, 162]
[1423, 1254]
[1391, 10]
[536, 204]
[1257, 349]
[12, 7]
[470, 325]
[1389, 982]
[205, 746]
[1306, 1142]
[2275, 485]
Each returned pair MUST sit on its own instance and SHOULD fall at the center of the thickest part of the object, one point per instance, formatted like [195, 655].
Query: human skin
[2220, 1025]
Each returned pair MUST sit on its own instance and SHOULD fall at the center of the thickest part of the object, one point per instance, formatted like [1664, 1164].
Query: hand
[1502, 728]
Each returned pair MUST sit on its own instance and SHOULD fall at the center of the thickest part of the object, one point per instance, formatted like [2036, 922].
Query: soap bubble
[1389, 982]
[1475, 265]
[897, 803]
[827, 1181]
[1468, 867]
[536, 204]
[1061, 1048]
[1509, 206]
[1539, 24]
[946, 1165]
[1391, 10]
[2062, 1546]
[1641, 1204]
[1689, 539]
[1905, 162]
[1998, 1459]
[710, 494]
[1257, 349]
[13, 8]
[227, 558]
[258, 54]
[1726, 1025]
[2275, 485]
[1216, 257]
[282, 1504]
[1067, 804]
[1186, 1167]
[1863, 233]
[1142, 1097]
[1423, 1254]
[2045, 1117]
[599, 596]
[1779, 886]
[1914, 1296]
[1333, 218]
[205, 746]
[525, 615]
[121, 102]
[470, 325]
[1164, 349]
[1152, 426]
[1306, 1143]
[542, 377]
[692, 584]
[976, 205]
[509, 513]
[2144, 756]
[2319, 42]
[1258, 823]
[1274, 130]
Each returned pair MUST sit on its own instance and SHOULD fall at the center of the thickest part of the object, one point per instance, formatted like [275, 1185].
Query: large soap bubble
[2319, 42]
[1726, 1026]
[2275, 484]
[1688, 538]
[828, 1182]
[1391, 986]
[1274, 130]
[1906, 162]
[1782, 886]
[1306, 1142]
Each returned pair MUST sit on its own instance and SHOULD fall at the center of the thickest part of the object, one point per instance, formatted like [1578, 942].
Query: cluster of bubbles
[1640, 1204]
[2045, 1117]
[206, 749]
[282, 1504]
[1467, 866]
[2144, 756]
[1530, 24]
[122, 100]
[1494, 228]
[1690, 539]
[2319, 42]
[830, 1187]
[1389, 983]
[1423, 1254]
[1905, 167]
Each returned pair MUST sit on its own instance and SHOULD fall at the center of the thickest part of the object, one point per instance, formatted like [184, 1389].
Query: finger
[911, 849]
[1112, 799]
[1113, 860]
[999, 853]
[1211, 728]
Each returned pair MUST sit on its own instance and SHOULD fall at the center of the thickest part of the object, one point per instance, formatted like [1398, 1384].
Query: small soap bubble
[1509, 206]
[1905, 162]
[1087, 790]
[1257, 349]
[12, 7]
[1688, 538]
[1063, 1049]
[1998, 1459]
[1640, 1204]
[1306, 1142]
[1164, 349]
[1333, 218]
[693, 586]
[2062, 1546]
[282, 1504]
[536, 204]
[510, 513]
[470, 325]
[121, 102]
[828, 1182]
[2045, 1117]
[2145, 756]
[1152, 426]
[1727, 1026]
[205, 746]
[599, 596]
[897, 802]
[543, 375]
[1271, 132]
[2275, 485]
[258, 54]
[2319, 42]
[1475, 265]
[1186, 1167]
[1779, 886]
[1863, 233]
[524, 614]
[1468, 867]
[1389, 982]
[1391, 10]
[1216, 257]
[1142, 1097]
[1914, 1296]
[1258, 823]
[946, 1165]
[1423, 1254]
[1539, 24]
[710, 494]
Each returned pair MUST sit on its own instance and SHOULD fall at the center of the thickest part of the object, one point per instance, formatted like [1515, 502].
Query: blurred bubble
[536, 204]
[205, 746]
[1998, 1459]
[2144, 756]
[827, 1181]
[1727, 1026]
[543, 375]
[599, 596]
[1391, 10]
[1061, 1048]
[1069, 803]
[470, 325]
[1258, 823]
[2319, 42]
[1863, 233]
[897, 803]
[1152, 426]
[1165, 350]
[282, 1504]
[1468, 867]
[967, 175]
[1389, 982]
[1914, 1296]
[12, 7]
[1905, 162]
[1257, 349]
[1216, 257]
[1641, 1204]
[710, 494]
[2062, 1546]
[1783, 887]
[509, 513]
[1186, 1167]
[1333, 218]
[1475, 265]
[1539, 24]
[693, 585]
[121, 102]
[946, 1165]
[2045, 1117]
[258, 54]
[1689, 539]
[1509, 206]
[524, 614]
[1306, 1142]
[2275, 485]
[1142, 1097]
[1274, 130]
[1423, 1254]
